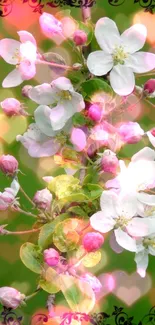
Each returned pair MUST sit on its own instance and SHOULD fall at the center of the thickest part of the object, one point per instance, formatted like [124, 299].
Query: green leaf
[77, 197]
[65, 237]
[31, 257]
[46, 233]
[88, 29]
[95, 85]
[77, 211]
[95, 190]
[78, 293]
[79, 119]
[49, 282]
[64, 185]
[70, 154]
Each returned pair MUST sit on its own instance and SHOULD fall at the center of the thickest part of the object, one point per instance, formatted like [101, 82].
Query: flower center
[65, 94]
[122, 222]
[119, 55]
[149, 242]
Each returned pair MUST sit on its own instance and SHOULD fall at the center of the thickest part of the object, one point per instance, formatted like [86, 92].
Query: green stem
[32, 294]
[24, 212]
[27, 197]
[22, 232]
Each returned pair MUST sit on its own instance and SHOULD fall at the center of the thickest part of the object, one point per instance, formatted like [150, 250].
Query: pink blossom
[109, 162]
[8, 164]
[51, 27]
[10, 297]
[12, 106]
[92, 241]
[43, 199]
[51, 257]
[130, 132]
[95, 112]
[93, 281]
[7, 197]
[80, 37]
[149, 86]
[78, 139]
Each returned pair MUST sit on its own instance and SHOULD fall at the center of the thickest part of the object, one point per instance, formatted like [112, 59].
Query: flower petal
[99, 63]
[144, 154]
[151, 138]
[26, 36]
[13, 79]
[9, 48]
[107, 34]
[140, 227]
[134, 37]
[122, 80]
[42, 94]
[146, 198]
[42, 118]
[141, 62]
[28, 51]
[58, 117]
[109, 204]
[128, 205]
[78, 139]
[62, 83]
[101, 223]
[27, 69]
[124, 240]
[78, 102]
[142, 261]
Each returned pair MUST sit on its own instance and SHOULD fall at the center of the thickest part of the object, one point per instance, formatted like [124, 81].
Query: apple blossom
[95, 112]
[43, 199]
[145, 246]
[92, 241]
[109, 162]
[78, 139]
[79, 37]
[22, 54]
[93, 281]
[119, 212]
[12, 106]
[51, 257]
[8, 164]
[10, 297]
[130, 132]
[51, 27]
[151, 136]
[119, 55]
[7, 198]
[149, 88]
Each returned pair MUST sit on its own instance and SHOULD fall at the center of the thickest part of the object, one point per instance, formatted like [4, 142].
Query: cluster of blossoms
[72, 123]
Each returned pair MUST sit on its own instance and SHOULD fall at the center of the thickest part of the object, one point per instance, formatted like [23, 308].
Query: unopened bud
[10, 297]
[149, 87]
[8, 164]
[109, 162]
[25, 90]
[80, 37]
[92, 241]
[130, 132]
[95, 113]
[43, 199]
[51, 257]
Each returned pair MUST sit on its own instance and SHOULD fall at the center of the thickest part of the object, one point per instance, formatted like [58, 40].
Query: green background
[12, 271]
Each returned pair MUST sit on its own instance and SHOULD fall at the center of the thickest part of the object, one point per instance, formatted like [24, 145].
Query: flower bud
[93, 281]
[25, 90]
[130, 132]
[80, 37]
[109, 162]
[51, 257]
[10, 297]
[92, 241]
[11, 106]
[43, 199]
[8, 164]
[95, 113]
[50, 25]
[149, 87]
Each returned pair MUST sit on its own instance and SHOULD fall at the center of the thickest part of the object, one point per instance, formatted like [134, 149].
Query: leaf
[77, 197]
[65, 237]
[50, 281]
[46, 233]
[92, 259]
[78, 293]
[95, 190]
[88, 29]
[70, 154]
[55, 58]
[31, 257]
[64, 185]
[76, 210]
[95, 85]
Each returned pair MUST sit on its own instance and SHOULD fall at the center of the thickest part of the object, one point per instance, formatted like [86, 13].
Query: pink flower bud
[10, 297]
[51, 257]
[130, 132]
[11, 106]
[92, 241]
[50, 25]
[109, 162]
[25, 91]
[95, 112]
[93, 281]
[149, 86]
[8, 164]
[153, 132]
[80, 37]
[43, 199]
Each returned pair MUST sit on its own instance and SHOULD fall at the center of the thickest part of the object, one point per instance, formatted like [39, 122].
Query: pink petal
[78, 139]
[26, 36]
[13, 79]
[27, 70]
[9, 48]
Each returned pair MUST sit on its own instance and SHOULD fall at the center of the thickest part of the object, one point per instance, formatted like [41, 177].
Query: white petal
[8, 48]
[141, 62]
[26, 36]
[151, 250]
[28, 51]
[42, 94]
[58, 117]
[101, 223]
[109, 203]
[140, 227]
[142, 261]
[134, 38]
[15, 187]
[62, 83]
[122, 80]
[125, 241]
[99, 63]
[42, 118]
[78, 102]
[146, 198]
[128, 205]
[144, 154]
[151, 138]
[107, 34]
[13, 79]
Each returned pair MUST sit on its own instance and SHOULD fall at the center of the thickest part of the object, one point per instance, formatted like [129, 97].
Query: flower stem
[27, 197]
[86, 13]
[32, 294]
[24, 212]
[56, 65]
[22, 232]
